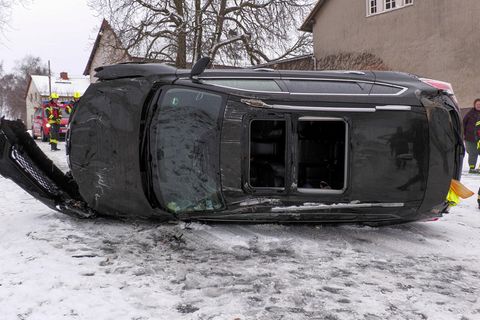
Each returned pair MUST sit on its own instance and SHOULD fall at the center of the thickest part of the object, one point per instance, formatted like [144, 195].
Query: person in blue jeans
[470, 135]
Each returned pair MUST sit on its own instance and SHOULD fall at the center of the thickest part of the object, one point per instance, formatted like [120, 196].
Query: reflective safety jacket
[70, 106]
[54, 114]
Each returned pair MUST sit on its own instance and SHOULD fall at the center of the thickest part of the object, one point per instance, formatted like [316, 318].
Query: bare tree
[6, 7]
[5, 11]
[13, 86]
[234, 32]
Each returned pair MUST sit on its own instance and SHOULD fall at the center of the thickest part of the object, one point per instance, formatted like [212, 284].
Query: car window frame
[291, 156]
[160, 94]
[246, 150]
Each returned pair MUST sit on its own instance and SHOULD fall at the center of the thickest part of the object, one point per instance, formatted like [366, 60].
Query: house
[106, 50]
[431, 38]
[38, 90]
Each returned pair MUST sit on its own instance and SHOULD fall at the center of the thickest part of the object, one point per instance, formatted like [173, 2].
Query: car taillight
[441, 85]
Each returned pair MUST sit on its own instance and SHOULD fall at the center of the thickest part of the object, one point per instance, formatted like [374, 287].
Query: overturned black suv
[149, 140]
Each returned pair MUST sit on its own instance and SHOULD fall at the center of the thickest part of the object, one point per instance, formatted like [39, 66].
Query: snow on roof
[64, 88]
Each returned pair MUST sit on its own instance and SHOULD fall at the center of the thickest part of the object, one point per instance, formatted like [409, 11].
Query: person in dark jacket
[469, 134]
[478, 198]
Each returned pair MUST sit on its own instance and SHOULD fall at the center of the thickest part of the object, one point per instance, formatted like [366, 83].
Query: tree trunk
[181, 59]
[218, 28]
[197, 50]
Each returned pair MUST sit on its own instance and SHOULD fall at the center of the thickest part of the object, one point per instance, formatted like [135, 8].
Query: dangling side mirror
[199, 67]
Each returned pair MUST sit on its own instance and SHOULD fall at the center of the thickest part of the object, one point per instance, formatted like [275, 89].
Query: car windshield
[185, 140]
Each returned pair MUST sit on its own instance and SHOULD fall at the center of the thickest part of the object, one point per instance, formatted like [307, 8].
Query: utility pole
[49, 81]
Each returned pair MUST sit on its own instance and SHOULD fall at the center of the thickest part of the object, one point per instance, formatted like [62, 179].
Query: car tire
[44, 137]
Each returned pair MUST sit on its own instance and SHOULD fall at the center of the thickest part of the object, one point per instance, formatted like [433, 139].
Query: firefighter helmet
[77, 95]
[54, 95]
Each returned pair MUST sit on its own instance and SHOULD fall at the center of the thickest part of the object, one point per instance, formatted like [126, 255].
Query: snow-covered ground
[56, 267]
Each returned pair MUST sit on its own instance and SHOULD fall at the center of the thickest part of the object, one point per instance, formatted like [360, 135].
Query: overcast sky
[62, 31]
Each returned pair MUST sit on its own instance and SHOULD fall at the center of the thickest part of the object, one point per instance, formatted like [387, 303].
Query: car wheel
[44, 137]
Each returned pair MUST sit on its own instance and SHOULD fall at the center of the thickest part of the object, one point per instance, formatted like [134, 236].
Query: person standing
[478, 198]
[71, 105]
[469, 134]
[54, 115]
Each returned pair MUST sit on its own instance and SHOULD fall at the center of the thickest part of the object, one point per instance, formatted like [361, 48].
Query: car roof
[408, 85]
[131, 70]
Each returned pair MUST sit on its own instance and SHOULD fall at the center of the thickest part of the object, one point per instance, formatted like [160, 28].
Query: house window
[372, 6]
[390, 4]
[375, 7]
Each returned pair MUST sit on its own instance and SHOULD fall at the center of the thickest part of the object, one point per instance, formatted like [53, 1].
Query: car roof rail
[355, 72]
[264, 69]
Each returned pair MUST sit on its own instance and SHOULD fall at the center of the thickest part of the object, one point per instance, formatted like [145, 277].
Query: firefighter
[71, 105]
[54, 115]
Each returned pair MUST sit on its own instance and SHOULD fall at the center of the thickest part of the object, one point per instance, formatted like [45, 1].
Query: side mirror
[199, 67]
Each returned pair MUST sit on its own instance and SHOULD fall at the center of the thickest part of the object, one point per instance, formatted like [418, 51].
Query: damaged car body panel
[246, 145]
[22, 161]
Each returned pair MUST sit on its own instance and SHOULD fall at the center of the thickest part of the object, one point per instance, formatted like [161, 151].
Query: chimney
[64, 75]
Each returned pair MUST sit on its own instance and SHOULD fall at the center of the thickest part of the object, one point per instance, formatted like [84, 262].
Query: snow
[64, 88]
[53, 266]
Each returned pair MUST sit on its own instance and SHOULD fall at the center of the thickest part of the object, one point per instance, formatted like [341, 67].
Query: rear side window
[267, 85]
[321, 154]
[320, 151]
[328, 87]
